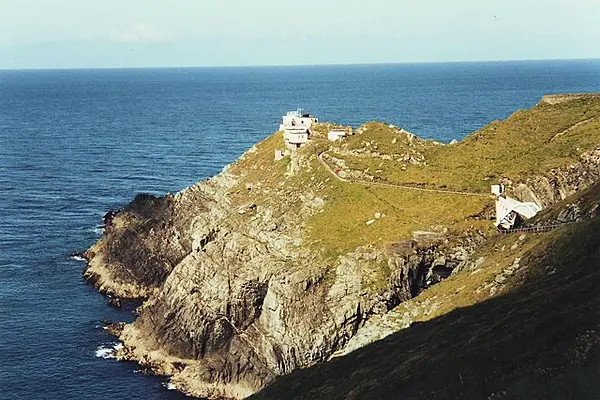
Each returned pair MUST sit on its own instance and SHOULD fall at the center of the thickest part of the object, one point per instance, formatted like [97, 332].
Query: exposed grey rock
[550, 270]
[570, 213]
[559, 183]
[227, 303]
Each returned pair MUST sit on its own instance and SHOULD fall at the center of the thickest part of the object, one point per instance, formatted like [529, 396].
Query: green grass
[343, 223]
[578, 383]
[516, 148]
[537, 339]
[341, 226]
[521, 146]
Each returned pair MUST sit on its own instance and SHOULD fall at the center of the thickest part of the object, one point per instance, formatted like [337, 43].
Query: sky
[181, 33]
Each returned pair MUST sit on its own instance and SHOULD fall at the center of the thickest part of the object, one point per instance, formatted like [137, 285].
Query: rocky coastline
[225, 308]
[233, 295]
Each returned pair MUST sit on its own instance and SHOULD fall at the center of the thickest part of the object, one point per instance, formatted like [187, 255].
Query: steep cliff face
[234, 298]
[520, 320]
[272, 266]
[559, 183]
[247, 304]
[146, 240]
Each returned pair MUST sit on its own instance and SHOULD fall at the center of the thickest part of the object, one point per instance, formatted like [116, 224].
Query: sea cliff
[274, 266]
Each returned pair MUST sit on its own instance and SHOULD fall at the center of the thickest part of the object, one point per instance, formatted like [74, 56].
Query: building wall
[334, 135]
[295, 129]
[300, 122]
[297, 138]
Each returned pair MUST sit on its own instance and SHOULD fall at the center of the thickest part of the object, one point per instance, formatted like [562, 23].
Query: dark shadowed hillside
[538, 340]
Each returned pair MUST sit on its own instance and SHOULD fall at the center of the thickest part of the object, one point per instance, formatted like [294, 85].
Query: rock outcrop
[559, 183]
[239, 287]
[553, 99]
[230, 307]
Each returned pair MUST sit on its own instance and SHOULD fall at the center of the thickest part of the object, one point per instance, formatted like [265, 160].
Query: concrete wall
[297, 122]
[336, 134]
[295, 138]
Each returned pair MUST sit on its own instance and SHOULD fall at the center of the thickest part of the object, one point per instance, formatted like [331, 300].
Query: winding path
[573, 127]
[391, 185]
[528, 229]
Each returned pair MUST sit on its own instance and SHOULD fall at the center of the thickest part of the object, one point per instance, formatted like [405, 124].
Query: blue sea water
[74, 143]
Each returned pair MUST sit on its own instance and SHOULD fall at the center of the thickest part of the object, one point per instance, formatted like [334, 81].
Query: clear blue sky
[132, 33]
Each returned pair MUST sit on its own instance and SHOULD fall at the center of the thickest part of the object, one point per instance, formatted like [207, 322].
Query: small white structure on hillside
[296, 128]
[509, 212]
[279, 154]
[336, 134]
[295, 140]
[498, 190]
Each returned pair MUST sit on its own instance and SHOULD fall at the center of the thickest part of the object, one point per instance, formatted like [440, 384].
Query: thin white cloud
[139, 33]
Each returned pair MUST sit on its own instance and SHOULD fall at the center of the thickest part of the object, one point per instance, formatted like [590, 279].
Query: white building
[509, 212]
[498, 190]
[297, 120]
[296, 128]
[336, 134]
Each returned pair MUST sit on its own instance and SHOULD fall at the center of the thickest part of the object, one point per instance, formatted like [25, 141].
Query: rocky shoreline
[233, 295]
[229, 316]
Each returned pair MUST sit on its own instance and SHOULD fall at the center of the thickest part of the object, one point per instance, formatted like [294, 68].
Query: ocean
[75, 143]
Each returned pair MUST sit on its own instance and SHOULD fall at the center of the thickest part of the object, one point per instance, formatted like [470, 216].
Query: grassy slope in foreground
[536, 337]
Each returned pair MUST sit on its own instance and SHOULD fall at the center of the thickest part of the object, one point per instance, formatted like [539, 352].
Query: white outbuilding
[336, 134]
[510, 212]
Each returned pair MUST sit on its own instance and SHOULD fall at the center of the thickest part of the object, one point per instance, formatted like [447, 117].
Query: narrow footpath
[575, 126]
[394, 186]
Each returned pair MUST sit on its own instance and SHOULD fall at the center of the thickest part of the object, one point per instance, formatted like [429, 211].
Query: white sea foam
[78, 258]
[108, 350]
[169, 385]
[99, 230]
[105, 352]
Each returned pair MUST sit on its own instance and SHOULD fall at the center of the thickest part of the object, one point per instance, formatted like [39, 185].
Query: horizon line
[350, 64]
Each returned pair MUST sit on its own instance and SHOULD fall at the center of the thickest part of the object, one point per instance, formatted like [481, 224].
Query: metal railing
[533, 229]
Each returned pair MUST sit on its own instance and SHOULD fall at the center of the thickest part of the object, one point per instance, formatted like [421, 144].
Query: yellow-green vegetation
[529, 142]
[257, 166]
[320, 130]
[376, 136]
[520, 323]
[343, 223]
[341, 226]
